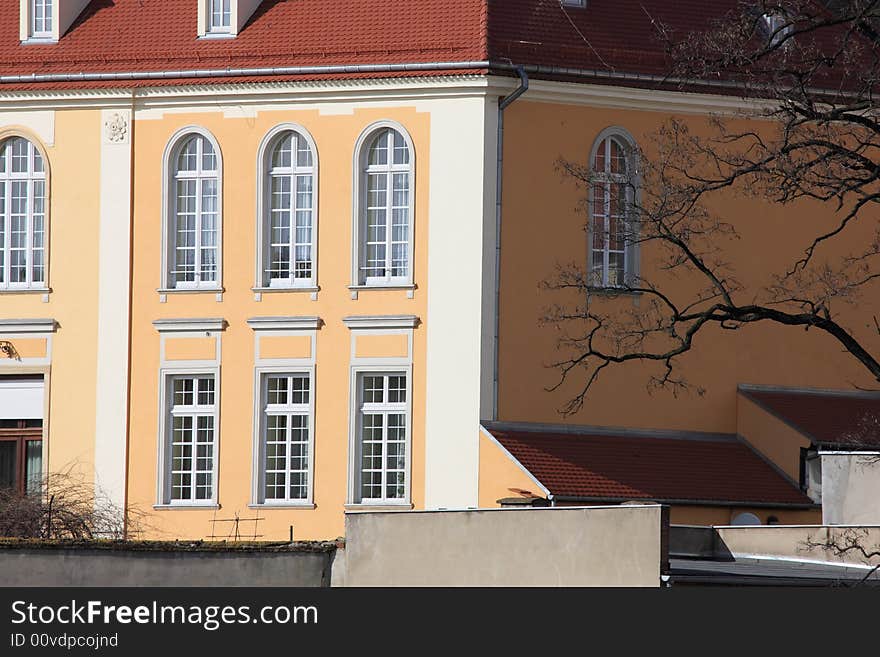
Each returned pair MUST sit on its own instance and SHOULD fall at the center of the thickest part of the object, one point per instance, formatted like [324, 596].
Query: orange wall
[542, 227]
[74, 200]
[239, 140]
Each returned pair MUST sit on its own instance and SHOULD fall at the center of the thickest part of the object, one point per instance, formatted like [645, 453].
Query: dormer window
[220, 19]
[224, 18]
[41, 19]
[47, 21]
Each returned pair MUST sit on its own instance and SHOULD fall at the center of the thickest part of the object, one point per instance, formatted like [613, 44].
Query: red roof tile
[619, 468]
[825, 417]
[156, 35]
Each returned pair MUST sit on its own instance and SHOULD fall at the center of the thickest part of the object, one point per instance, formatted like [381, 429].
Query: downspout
[503, 104]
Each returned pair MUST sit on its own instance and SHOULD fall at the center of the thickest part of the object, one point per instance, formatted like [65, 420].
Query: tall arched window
[612, 223]
[193, 222]
[289, 212]
[386, 209]
[22, 215]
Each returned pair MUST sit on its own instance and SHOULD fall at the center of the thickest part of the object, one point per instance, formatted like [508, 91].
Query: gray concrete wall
[850, 488]
[596, 546]
[801, 542]
[24, 567]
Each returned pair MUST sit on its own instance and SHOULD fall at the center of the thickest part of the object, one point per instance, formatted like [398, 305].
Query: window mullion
[29, 233]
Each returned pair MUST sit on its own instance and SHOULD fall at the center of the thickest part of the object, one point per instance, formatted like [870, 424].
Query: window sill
[382, 286]
[193, 290]
[39, 41]
[25, 290]
[304, 506]
[186, 507]
[291, 288]
[378, 507]
[409, 288]
[211, 36]
[614, 291]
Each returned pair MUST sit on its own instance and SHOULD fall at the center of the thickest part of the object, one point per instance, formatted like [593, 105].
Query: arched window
[288, 212]
[612, 224]
[386, 209]
[23, 196]
[193, 222]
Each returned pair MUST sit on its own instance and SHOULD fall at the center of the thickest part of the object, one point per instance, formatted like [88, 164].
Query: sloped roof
[137, 36]
[160, 35]
[826, 418]
[583, 465]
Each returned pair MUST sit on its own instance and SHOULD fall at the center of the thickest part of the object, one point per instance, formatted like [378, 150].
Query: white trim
[257, 475]
[264, 192]
[28, 326]
[357, 371]
[358, 204]
[631, 268]
[189, 325]
[485, 432]
[368, 322]
[163, 497]
[112, 402]
[822, 452]
[169, 165]
[285, 323]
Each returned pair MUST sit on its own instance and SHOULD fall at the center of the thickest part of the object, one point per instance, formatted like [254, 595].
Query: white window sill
[612, 291]
[382, 286]
[288, 288]
[191, 290]
[383, 506]
[218, 35]
[302, 506]
[186, 507]
[39, 41]
[25, 290]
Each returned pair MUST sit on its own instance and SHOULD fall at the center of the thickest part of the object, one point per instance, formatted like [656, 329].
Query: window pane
[8, 464]
[33, 466]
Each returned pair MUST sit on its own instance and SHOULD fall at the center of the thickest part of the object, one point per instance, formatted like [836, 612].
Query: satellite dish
[746, 519]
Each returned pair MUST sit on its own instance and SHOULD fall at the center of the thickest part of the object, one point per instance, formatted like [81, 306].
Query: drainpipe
[503, 104]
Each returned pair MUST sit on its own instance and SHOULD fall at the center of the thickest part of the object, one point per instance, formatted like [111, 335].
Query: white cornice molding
[285, 323]
[622, 97]
[261, 93]
[8, 326]
[189, 325]
[381, 322]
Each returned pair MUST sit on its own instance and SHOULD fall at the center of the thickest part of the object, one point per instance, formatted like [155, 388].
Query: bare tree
[808, 73]
[63, 506]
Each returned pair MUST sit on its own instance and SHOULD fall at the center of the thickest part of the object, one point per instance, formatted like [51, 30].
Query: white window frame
[361, 171]
[631, 250]
[167, 378]
[263, 281]
[47, 16]
[169, 220]
[262, 374]
[219, 28]
[30, 177]
[357, 408]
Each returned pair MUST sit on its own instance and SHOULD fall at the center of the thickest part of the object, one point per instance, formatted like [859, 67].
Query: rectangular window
[382, 437]
[221, 16]
[41, 18]
[21, 456]
[191, 439]
[285, 437]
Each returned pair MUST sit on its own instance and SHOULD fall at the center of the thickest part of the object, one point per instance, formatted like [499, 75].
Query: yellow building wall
[74, 161]
[239, 139]
[499, 474]
[542, 227]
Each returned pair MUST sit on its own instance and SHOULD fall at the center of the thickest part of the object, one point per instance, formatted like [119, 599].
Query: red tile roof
[826, 418]
[158, 35]
[619, 468]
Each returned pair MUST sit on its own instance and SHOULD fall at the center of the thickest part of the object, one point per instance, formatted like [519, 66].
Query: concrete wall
[598, 546]
[23, 567]
[795, 542]
[850, 488]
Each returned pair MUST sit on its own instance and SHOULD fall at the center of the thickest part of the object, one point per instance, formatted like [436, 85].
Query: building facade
[267, 263]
